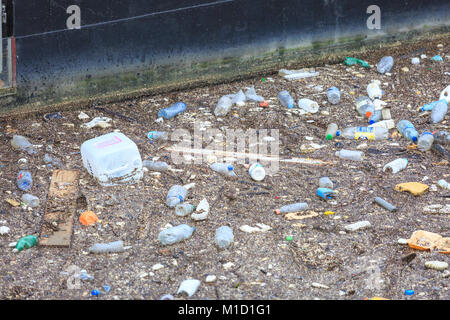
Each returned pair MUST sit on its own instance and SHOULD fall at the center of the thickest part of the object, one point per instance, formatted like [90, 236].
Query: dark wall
[140, 43]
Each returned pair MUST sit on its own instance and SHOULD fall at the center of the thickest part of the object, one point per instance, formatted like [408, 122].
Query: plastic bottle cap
[181, 198]
[290, 106]
[338, 133]
[409, 292]
[371, 122]
[277, 211]
[230, 168]
[330, 137]
[368, 114]
[414, 139]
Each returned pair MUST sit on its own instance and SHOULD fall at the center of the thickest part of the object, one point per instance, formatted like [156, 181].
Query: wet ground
[262, 265]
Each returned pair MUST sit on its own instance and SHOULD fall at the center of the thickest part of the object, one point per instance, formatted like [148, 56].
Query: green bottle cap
[329, 137]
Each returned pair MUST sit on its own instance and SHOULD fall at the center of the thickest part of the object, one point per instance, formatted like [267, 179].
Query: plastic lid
[290, 106]
[338, 133]
[368, 114]
[414, 139]
[230, 168]
[371, 122]
[329, 137]
[427, 133]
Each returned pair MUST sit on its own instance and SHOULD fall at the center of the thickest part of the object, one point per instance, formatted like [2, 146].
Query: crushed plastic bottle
[155, 165]
[308, 105]
[184, 209]
[325, 182]
[257, 172]
[30, 200]
[21, 143]
[442, 137]
[224, 237]
[295, 207]
[396, 165]
[223, 168]
[111, 247]
[52, 160]
[385, 204]
[26, 243]
[407, 129]
[333, 95]
[252, 96]
[175, 234]
[158, 135]
[24, 180]
[332, 130]
[439, 112]
[239, 99]
[385, 65]
[374, 91]
[172, 111]
[364, 133]
[350, 155]
[425, 142]
[375, 117]
[176, 195]
[349, 61]
[286, 100]
[365, 107]
[223, 107]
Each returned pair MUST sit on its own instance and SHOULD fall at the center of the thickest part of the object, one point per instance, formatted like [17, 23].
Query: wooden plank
[60, 209]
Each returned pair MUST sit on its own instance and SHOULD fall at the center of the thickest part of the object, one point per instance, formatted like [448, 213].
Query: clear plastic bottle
[21, 143]
[439, 112]
[396, 166]
[366, 110]
[331, 131]
[385, 64]
[252, 96]
[158, 135]
[425, 142]
[350, 155]
[24, 180]
[325, 182]
[374, 91]
[224, 237]
[375, 117]
[257, 172]
[365, 133]
[223, 168]
[155, 165]
[362, 100]
[286, 99]
[172, 110]
[176, 195]
[239, 99]
[184, 209]
[111, 247]
[175, 234]
[223, 106]
[295, 207]
[333, 95]
[30, 200]
[430, 106]
[308, 105]
[407, 129]
[442, 137]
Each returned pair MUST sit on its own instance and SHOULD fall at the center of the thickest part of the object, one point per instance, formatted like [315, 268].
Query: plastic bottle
[176, 195]
[175, 234]
[158, 135]
[172, 110]
[286, 99]
[111, 247]
[21, 143]
[442, 137]
[362, 100]
[224, 237]
[239, 99]
[325, 193]
[396, 165]
[155, 165]
[308, 105]
[385, 204]
[365, 133]
[24, 180]
[443, 184]
[184, 209]
[407, 129]
[374, 91]
[439, 112]
[26, 243]
[425, 142]
[334, 95]
[365, 108]
[430, 106]
[349, 61]
[257, 172]
[331, 131]
[295, 207]
[445, 94]
[350, 155]
[52, 160]
[325, 182]
[252, 96]
[385, 64]
[30, 200]
[223, 168]
[375, 117]
[223, 107]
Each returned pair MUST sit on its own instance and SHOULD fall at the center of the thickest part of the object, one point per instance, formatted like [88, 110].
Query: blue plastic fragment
[326, 193]
[409, 292]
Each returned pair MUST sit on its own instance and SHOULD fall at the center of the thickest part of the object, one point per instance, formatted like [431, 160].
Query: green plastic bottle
[349, 61]
[26, 243]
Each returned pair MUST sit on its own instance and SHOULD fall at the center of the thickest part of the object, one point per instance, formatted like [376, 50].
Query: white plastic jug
[112, 159]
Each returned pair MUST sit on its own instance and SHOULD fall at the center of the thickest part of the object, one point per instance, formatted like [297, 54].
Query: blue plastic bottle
[172, 110]
[408, 130]
[24, 180]
[430, 106]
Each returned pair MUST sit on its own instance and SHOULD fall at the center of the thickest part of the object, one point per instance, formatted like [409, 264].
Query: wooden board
[60, 209]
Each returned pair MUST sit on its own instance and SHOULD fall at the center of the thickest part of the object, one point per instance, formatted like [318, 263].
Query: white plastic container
[257, 172]
[374, 91]
[112, 159]
[308, 105]
[396, 166]
[350, 155]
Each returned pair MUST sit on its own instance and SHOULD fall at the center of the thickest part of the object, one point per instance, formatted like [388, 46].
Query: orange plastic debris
[424, 240]
[88, 218]
[264, 104]
[376, 298]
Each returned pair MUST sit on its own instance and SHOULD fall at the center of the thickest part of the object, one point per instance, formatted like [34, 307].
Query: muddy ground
[265, 265]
